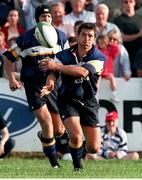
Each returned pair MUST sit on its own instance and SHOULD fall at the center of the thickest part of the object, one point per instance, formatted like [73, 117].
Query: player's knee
[93, 149]
[59, 131]
[77, 139]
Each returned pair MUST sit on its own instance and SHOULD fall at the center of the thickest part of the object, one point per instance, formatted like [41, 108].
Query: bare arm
[132, 37]
[13, 83]
[71, 70]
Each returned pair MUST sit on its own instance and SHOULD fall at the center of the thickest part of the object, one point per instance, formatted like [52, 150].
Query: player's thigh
[92, 137]
[73, 127]
[43, 113]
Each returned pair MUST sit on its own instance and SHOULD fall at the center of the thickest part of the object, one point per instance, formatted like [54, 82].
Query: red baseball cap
[111, 116]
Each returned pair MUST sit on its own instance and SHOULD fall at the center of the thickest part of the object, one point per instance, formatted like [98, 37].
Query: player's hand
[14, 85]
[47, 89]
[48, 65]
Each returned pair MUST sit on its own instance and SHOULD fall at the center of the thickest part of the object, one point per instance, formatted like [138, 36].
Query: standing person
[122, 61]
[103, 26]
[79, 13]
[6, 143]
[111, 51]
[80, 68]
[34, 79]
[114, 141]
[13, 29]
[58, 12]
[130, 25]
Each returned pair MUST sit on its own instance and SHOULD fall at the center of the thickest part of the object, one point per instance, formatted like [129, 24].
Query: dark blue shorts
[87, 110]
[35, 101]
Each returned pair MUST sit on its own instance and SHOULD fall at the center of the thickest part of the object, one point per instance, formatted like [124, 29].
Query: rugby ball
[46, 34]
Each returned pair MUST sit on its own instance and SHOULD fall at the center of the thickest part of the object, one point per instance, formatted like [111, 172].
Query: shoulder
[97, 54]
[121, 132]
[63, 53]
[61, 36]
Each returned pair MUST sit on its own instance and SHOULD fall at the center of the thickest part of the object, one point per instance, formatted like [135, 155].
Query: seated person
[114, 143]
[6, 143]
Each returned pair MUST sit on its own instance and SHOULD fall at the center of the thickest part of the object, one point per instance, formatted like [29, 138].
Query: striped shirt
[116, 142]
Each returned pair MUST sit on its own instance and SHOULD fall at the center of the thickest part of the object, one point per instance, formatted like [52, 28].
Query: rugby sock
[76, 154]
[49, 150]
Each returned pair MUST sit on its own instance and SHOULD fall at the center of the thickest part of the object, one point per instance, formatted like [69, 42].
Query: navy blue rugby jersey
[31, 53]
[79, 87]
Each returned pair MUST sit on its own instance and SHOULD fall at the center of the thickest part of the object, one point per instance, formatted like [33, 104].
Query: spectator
[102, 24]
[72, 40]
[111, 51]
[130, 25]
[79, 13]
[122, 61]
[28, 8]
[89, 5]
[138, 63]
[58, 12]
[114, 8]
[3, 48]
[4, 10]
[6, 143]
[76, 26]
[13, 29]
[114, 141]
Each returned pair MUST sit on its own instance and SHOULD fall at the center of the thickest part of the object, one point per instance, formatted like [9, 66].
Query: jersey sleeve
[94, 66]
[13, 53]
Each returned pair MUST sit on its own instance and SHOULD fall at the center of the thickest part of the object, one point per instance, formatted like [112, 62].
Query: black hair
[87, 25]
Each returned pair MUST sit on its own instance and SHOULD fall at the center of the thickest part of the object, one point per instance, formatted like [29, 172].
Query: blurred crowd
[121, 16]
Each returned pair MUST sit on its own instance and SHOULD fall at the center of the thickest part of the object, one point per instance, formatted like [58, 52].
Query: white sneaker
[115, 99]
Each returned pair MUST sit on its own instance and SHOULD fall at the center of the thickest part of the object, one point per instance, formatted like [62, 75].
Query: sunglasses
[114, 39]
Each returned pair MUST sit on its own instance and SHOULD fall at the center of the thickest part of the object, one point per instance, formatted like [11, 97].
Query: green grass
[40, 168]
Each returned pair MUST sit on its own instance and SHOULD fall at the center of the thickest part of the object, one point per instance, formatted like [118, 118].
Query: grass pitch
[40, 168]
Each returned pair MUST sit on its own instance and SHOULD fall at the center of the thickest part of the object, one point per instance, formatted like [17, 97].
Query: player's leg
[47, 135]
[58, 126]
[92, 138]
[38, 105]
[74, 130]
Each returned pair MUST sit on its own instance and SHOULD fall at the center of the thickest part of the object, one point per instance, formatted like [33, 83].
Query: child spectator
[111, 51]
[114, 143]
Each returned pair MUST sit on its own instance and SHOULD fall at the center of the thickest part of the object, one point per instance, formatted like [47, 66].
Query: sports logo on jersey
[15, 111]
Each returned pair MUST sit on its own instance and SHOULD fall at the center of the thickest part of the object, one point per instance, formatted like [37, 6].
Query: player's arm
[10, 56]
[50, 84]
[71, 70]
[13, 83]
